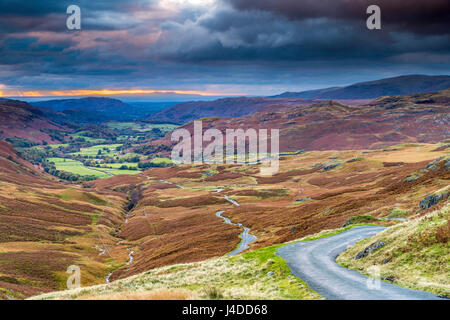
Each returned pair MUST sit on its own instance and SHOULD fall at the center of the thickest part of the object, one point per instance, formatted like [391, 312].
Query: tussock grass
[158, 294]
[241, 277]
[416, 254]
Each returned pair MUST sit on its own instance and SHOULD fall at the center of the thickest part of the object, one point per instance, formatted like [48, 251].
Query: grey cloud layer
[419, 16]
[232, 42]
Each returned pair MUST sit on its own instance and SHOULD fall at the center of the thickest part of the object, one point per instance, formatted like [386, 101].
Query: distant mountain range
[88, 104]
[374, 89]
[93, 110]
[227, 107]
[329, 125]
[353, 95]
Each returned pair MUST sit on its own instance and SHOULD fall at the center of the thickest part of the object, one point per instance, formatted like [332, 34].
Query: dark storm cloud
[227, 34]
[50, 15]
[429, 16]
[133, 43]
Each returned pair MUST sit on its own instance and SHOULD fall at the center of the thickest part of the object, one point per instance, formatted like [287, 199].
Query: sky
[209, 48]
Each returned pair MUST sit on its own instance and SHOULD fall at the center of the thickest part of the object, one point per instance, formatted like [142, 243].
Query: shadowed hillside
[19, 119]
[374, 89]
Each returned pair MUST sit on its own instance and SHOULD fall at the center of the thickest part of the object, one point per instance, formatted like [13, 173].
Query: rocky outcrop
[331, 165]
[374, 246]
[432, 199]
[432, 164]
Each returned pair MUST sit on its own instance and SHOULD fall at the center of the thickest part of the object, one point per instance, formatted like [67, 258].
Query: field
[76, 167]
[108, 150]
[161, 160]
[142, 127]
[82, 135]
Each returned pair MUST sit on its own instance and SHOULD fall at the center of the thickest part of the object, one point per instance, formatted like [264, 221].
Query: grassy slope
[417, 253]
[140, 127]
[76, 167]
[246, 276]
[93, 151]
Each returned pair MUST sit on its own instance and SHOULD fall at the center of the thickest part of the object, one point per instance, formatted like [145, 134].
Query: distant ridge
[18, 119]
[374, 89]
[91, 103]
[227, 107]
[92, 110]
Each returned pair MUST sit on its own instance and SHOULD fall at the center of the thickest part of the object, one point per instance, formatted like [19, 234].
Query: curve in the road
[314, 263]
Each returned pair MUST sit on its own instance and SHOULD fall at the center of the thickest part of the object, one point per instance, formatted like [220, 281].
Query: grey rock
[330, 166]
[303, 199]
[431, 200]
[432, 164]
[387, 260]
[389, 278]
[411, 178]
[368, 250]
[270, 273]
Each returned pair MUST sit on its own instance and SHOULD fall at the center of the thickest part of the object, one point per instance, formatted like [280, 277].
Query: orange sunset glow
[106, 92]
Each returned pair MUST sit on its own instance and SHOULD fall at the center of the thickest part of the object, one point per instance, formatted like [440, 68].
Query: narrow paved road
[314, 263]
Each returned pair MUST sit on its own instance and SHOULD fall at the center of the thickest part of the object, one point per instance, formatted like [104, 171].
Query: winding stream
[177, 185]
[130, 260]
[246, 237]
[131, 252]
[232, 201]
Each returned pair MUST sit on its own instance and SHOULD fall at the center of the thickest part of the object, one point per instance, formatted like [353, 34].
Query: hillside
[19, 119]
[46, 226]
[261, 274]
[124, 225]
[373, 89]
[207, 280]
[415, 254]
[313, 191]
[46, 221]
[94, 110]
[328, 125]
[228, 107]
[86, 104]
